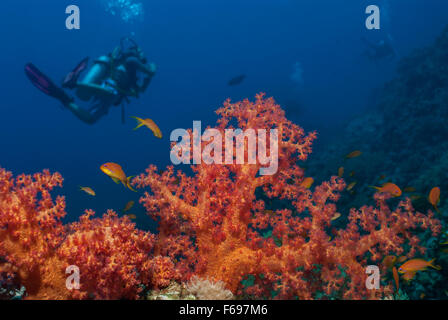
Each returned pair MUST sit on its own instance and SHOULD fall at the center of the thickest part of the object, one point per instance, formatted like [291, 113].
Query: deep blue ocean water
[198, 46]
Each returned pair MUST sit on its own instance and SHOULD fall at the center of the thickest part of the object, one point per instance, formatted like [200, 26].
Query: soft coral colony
[215, 224]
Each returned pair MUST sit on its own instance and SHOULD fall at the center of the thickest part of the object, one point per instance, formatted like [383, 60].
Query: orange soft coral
[211, 224]
[112, 256]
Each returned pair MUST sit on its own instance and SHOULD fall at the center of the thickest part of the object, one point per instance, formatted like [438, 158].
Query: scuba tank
[97, 74]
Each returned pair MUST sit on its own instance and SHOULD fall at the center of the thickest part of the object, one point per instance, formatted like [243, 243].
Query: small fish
[434, 197]
[382, 177]
[396, 278]
[128, 206]
[409, 189]
[444, 243]
[445, 250]
[351, 185]
[336, 216]
[88, 190]
[307, 183]
[131, 216]
[415, 265]
[352, 173]
[340, 172]
[408, 276]
[415, 197]
[353, 154]
[269, 212]
[401, 259]
[389, 261]
[390, 188]
[422, 296]
[236, 80]
[117, 174]
[150, 125]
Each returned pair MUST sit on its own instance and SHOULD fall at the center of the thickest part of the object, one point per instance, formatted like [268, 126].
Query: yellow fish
[128, 206]
[88, 190]
[415, 265]
[132, 216]
[117, 174]
[150, 125]
[434, 197]
[307, 183]
[389, 261]
[353, 154]
[390, 188]
[351, 185]
[408, 276]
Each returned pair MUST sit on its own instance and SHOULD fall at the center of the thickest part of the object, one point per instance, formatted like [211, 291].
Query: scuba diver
[380, 50]
[111, 80]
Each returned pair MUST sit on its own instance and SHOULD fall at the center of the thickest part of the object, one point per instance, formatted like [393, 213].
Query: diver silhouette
[111, 80]
[380, 50]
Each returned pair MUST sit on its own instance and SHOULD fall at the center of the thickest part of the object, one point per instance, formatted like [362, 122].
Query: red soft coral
[112, 256]
[211, 224]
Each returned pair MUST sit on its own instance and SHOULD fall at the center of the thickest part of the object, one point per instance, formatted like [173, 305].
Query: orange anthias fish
[390, 188]
[88, 190]
[336, 216]
[307, 183]
[150, 125]
[389, 261]
[353, 154]
[415, 265]
[351, 186]
[132, 216]
[117, 174]
[340, 172]
[434, 197]
[396, 278]
[409, 275]
[409, 189]
[128, 206]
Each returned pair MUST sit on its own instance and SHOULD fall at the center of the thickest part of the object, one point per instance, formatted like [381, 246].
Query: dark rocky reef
[404, 139]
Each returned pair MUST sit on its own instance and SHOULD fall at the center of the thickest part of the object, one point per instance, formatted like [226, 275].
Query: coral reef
[226, 229]
[403, 139]
[36, 247]
[214, 226]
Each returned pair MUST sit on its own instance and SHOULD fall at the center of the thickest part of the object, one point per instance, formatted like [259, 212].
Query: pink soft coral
[211, 223]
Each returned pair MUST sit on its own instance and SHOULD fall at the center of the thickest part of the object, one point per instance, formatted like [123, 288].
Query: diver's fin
[45, 84]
